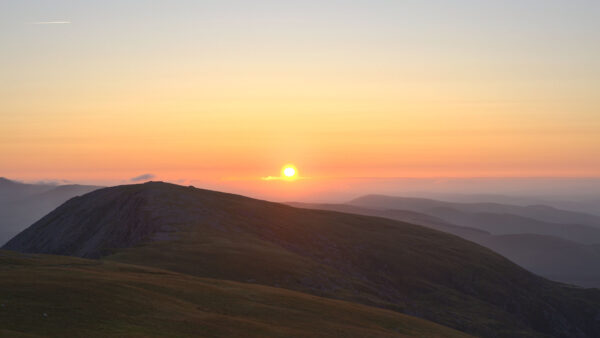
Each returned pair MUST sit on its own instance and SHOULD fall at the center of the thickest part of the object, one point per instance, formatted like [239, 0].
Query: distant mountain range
[538, 212]
[586, 201]
[22, 204]
[374, 261]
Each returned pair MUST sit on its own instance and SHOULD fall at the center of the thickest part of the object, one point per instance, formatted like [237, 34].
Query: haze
[222, 93]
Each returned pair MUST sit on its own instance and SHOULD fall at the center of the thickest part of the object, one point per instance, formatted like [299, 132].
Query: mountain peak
[115, 217]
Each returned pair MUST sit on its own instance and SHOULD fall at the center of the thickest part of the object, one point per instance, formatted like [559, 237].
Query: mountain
[22, 204]
[537, 212]
[13, 190]
[370, 260]
[60, 296]
[555, 258]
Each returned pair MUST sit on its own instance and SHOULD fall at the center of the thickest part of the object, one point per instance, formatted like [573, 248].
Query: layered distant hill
[562, 252]
[370, 260]
[537, 212]
[22, 204]
[586, 201]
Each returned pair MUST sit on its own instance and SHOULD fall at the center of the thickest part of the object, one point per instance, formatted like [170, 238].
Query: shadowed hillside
[403, 216]
[549, 256]
[70, 297]
[375, 261]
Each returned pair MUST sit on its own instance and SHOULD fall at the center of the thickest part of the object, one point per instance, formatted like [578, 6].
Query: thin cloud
[282, 178]
[144, 177]
[49, 22]
[271, 178]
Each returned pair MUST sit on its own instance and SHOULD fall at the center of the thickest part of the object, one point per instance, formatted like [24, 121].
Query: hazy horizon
[226, 92]
[579, 194]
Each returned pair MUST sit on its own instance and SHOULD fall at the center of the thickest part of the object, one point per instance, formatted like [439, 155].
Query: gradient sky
[229, 91]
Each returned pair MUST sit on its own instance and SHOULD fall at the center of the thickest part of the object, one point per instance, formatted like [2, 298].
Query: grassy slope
[259, 261]
[97, 298]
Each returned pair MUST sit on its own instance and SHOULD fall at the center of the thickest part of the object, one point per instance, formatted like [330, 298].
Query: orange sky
[341, 92]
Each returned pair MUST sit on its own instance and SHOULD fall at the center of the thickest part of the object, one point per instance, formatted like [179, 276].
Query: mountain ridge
[370, 260]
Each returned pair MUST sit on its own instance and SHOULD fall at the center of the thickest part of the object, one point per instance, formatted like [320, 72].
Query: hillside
[22, 204]
[555, 258]
[66, 297]
[370, 260]
[413, 217]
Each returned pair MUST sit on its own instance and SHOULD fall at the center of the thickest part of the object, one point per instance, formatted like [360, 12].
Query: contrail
[49, 22]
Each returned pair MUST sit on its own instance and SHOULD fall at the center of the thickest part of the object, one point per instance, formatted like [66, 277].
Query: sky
[224, 93]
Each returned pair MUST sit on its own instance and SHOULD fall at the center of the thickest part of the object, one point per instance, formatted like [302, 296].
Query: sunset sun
[289, 172]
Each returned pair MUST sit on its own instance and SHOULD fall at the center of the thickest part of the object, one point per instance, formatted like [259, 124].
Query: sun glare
[289, 172]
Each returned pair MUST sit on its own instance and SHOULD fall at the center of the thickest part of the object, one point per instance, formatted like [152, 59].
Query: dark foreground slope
[71, 297]
[370, 260]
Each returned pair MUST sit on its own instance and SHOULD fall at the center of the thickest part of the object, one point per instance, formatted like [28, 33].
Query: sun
[289, 172]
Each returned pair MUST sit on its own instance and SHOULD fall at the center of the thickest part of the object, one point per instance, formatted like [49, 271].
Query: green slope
[70, 297]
